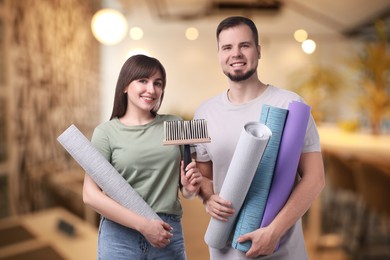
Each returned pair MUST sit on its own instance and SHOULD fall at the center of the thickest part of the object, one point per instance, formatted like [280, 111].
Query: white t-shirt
[225, 122]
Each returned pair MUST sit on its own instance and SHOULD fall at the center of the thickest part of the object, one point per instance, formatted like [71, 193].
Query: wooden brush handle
[187, 155]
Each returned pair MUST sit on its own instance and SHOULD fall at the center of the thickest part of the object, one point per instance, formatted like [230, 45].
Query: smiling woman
[143, 94]
[146, 81]
[132, 141]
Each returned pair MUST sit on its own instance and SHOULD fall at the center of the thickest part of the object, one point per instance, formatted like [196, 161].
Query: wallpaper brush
[187, 133]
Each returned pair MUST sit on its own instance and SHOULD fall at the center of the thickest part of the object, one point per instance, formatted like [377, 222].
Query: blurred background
[59, 62]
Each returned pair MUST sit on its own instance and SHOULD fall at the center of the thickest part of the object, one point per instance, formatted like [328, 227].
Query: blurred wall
[192, 66]
[53, 64]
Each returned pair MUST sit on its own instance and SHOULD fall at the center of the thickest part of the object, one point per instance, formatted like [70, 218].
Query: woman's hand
[157, 232]
[191, 179]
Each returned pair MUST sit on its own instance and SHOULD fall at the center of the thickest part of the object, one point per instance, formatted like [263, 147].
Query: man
[226, 114]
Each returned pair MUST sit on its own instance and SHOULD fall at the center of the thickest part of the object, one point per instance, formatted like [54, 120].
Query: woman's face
[144, 94]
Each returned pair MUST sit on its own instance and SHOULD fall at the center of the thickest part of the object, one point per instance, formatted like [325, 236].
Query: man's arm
[215, 206]
[206, 187]
[311, 170]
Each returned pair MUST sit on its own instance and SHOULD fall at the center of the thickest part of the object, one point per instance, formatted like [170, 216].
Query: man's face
[238, 55]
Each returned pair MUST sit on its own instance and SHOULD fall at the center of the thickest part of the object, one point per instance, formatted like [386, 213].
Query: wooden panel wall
[54, 76]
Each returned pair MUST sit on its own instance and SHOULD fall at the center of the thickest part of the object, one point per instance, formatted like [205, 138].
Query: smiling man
[239, 53]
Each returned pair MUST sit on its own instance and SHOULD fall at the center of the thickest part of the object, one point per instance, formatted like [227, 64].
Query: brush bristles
[186, 132]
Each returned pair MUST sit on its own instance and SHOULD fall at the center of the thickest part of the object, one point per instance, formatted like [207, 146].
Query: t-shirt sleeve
[101, 142]
[201, 149]
[201, 153]
[312, 138]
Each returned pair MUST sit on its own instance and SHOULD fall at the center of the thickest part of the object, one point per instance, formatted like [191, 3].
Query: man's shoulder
[280, 97]
[285, 93]
[212, 101]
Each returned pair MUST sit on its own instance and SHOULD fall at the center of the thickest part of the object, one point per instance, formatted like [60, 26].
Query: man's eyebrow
[246, 42]
[226, 45]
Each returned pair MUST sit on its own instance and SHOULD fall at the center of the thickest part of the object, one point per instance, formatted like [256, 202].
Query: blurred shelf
[363, 146]
[55, 233]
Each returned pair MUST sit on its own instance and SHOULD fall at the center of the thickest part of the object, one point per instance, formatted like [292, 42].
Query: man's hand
[215, 206]
[218, 208]
[263, 242]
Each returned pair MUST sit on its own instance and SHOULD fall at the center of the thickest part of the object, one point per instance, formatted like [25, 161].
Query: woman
[132, 142]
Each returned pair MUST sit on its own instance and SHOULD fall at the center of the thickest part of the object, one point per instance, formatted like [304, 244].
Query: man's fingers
[243, 238]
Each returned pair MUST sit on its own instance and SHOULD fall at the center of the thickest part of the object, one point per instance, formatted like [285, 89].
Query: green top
[138, 154]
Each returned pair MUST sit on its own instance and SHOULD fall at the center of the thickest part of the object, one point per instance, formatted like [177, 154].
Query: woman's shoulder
[107, 124]
[107, 128]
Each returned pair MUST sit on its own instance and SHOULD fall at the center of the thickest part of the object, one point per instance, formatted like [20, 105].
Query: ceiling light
[136, 33]
[109, 26]
[300, 35]
[308, 46]
[192, 33]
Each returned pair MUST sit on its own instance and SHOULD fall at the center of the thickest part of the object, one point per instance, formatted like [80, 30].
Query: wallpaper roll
[103, 173]
[288, 159]
[252, 210]
[248, 152]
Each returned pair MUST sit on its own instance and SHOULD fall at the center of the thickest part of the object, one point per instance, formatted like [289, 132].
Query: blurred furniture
[373, 184]
[51, 184]
[54, 234]
[66, 190]
[350, 159]
[360, 145]
[340, 203]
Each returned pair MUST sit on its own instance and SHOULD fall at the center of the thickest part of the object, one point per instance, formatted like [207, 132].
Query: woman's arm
[155, 231]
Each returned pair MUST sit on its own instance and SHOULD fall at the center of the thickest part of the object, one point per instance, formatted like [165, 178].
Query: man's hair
[234, 21]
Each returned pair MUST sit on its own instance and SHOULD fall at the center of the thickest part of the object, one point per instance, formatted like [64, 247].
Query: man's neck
[245, 91]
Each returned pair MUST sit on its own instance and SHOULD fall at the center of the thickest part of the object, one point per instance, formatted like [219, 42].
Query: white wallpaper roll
[247, 155]
[103, 173]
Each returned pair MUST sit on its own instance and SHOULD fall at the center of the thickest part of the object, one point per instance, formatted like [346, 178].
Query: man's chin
[239, 76]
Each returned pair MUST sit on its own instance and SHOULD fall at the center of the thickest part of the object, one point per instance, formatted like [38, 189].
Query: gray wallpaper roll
[249, 150]
[103, 173]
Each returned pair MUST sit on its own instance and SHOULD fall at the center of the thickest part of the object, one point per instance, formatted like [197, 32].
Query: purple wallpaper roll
[287, 161]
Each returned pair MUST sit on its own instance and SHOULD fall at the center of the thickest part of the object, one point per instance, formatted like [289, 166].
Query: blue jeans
[116, 242]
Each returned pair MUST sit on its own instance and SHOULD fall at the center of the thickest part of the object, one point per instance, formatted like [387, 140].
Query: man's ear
[259, 51]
